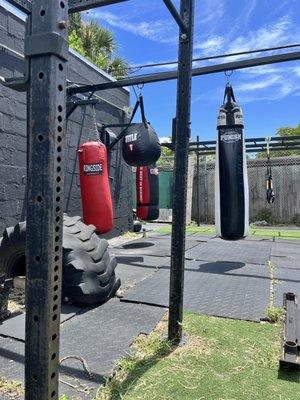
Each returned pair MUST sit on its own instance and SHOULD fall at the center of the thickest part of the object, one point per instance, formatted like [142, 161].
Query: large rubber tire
[88, 275]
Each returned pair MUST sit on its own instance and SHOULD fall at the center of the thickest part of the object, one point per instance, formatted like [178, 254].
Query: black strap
[123, 133]
[228, 94]
[144, 119]
[139, 104]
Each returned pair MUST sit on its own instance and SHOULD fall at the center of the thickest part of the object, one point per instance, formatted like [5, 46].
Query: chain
[95, 127]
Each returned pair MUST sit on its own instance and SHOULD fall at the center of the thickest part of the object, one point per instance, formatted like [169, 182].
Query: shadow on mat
[138, 245]
[71, 371]
[220, 267]
[290, 376]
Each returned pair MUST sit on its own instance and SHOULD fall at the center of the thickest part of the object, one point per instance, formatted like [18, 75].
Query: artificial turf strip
[268, 233]
[223, 360]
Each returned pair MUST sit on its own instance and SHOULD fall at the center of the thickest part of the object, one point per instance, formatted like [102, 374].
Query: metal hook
[228, 74]
[140, 87]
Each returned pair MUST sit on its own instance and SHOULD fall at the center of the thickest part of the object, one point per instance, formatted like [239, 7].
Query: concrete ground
[228, 279]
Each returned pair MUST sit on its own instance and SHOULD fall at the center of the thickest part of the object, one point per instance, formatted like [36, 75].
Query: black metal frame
[47, 24]
[253, 145]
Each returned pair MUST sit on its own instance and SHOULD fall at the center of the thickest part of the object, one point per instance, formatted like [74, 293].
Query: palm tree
[118, 67]
[97, 44]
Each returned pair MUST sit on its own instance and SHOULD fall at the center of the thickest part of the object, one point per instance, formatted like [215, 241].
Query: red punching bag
[95, 188]
[147, 190]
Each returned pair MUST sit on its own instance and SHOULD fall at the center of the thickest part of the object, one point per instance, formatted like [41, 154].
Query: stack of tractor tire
[88, 275]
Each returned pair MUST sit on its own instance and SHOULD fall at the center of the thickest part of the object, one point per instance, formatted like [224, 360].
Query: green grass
[222, 360]
[260, 232]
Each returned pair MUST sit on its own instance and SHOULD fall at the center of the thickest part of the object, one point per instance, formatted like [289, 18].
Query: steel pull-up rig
[46, 51]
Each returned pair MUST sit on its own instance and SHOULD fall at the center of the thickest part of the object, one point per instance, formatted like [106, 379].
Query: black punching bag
[141, 146]
[231, 177]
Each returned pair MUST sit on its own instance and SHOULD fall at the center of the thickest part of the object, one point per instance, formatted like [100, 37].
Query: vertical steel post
[198, 183]
[182, 136]
[46, 49]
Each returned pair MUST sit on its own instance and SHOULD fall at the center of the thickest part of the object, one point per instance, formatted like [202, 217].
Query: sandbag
[147, 190]
[231, 177]
[94, 184]
[141, 145]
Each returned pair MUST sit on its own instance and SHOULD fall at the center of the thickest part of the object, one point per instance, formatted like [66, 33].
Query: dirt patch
[11, 390]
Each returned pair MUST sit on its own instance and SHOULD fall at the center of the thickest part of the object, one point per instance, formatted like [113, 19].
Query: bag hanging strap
[123, 133]
[144, 119]
[229, 95]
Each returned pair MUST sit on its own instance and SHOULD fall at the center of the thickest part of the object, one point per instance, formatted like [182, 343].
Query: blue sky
[269, 95]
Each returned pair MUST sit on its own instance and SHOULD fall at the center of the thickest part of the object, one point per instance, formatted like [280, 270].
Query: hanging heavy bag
[270, 195]
[141, 144]
[95, 189]
[147, 191]
[231, 177]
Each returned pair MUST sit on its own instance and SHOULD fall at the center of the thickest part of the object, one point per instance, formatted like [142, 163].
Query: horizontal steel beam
[170, 75]
[210, 153]
[74, 5]
[175, 14]
[81, 5]
[249, 140]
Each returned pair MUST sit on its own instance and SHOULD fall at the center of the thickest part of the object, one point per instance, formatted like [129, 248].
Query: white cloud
[210, 45]
[165, 139]
[163, 31]
[257, 85]
[297, 71]
[267, 36]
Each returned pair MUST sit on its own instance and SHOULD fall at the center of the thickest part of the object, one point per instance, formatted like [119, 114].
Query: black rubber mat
[287, 280]
[132, 269]
[226, 289]
[248, 252]
[100, 336]
[14, 327]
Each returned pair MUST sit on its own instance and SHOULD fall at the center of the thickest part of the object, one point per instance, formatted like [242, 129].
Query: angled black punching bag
[231, 177]
[141, 146]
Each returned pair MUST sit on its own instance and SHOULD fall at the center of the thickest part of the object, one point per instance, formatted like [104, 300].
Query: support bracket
[46, 43]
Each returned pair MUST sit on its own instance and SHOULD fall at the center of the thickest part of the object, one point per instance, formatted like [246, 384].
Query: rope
[95, 127]
[83, 362]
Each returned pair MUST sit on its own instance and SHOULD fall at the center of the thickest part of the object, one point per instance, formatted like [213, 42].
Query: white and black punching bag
[231, 177]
